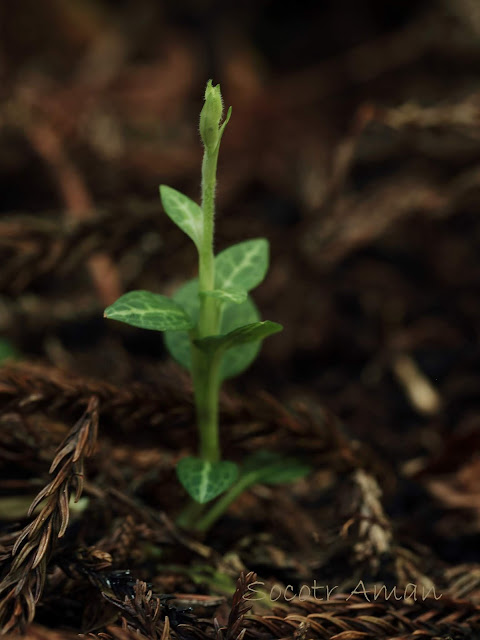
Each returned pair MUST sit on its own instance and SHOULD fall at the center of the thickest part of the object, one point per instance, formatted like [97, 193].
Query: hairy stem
[208, 320]
[205, 368]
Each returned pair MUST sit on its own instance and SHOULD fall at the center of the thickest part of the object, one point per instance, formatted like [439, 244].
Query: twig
[28, 551]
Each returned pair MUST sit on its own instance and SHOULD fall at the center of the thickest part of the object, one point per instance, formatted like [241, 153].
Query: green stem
[222, 504]
[189, 514]
[205, 368]
[206, 380]
[208, 319]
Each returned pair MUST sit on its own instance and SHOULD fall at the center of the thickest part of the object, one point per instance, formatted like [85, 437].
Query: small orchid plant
[213, 328]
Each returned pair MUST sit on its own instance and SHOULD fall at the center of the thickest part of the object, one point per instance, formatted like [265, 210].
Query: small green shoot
[213, 328]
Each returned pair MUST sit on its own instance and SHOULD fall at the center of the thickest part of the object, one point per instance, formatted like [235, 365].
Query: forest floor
[359, 159]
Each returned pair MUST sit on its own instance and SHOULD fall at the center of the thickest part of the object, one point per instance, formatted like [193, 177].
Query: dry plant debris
[25, 553]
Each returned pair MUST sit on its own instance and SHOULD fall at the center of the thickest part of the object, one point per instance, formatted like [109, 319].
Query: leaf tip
[163, 191]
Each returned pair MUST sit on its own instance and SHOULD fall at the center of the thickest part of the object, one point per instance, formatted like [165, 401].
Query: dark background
[354, 146]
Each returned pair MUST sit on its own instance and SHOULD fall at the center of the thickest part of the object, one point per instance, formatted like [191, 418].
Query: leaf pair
[238, 269]
[234, 316]
[240, 330]
[204, 480]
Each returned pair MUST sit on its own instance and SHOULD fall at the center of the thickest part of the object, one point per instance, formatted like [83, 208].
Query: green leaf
[178, 342]
[149, 311]
[204, 480]
[242, 266]
[268, 467]
[235, 360]
[225, 122]
[184, 212]
[236, 296]
[248, 333]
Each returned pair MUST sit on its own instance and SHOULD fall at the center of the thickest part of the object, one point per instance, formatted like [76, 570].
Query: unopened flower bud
[210, 117]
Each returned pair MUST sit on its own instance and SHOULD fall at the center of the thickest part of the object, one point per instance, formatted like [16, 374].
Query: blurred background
[354, 146]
